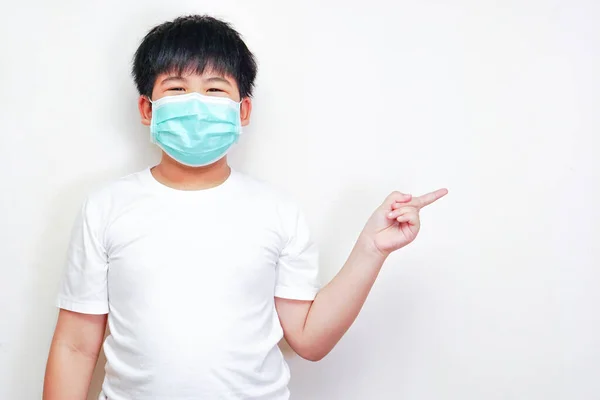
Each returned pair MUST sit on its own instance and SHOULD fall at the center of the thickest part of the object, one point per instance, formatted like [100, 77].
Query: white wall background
[497, 299]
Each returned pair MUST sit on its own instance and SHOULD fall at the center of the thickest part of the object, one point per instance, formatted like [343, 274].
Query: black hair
[192, 44]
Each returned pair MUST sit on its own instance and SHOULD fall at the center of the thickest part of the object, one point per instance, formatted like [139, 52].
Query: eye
[176, 89]
[215, 90]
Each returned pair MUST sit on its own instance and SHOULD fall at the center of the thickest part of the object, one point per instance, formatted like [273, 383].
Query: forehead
[191, 75]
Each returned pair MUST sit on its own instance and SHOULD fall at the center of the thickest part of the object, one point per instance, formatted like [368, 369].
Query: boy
[198, 269]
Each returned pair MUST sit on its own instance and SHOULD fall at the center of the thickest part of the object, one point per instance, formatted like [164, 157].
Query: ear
[245, 110]
[145, 108]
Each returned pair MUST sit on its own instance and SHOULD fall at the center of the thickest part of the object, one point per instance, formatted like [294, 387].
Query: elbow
[314, 358]
[310, 347]
[313, 355]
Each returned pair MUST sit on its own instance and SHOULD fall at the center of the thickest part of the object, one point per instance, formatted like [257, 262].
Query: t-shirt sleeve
[83, 288]
[298, 265]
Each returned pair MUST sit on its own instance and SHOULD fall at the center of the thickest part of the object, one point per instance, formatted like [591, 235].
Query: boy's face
[208, 83]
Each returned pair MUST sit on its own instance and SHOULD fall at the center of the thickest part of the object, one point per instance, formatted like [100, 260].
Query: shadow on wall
[60, 209]
[40, 314]
[51, 251]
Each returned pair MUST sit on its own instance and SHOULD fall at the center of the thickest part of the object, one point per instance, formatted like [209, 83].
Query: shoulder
[260, 190]
[269, 200]
[116, 194]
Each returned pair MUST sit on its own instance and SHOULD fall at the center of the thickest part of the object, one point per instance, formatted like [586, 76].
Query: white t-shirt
[188, 279]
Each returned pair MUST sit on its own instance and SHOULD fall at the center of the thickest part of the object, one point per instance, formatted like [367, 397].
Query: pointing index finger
[429, 198]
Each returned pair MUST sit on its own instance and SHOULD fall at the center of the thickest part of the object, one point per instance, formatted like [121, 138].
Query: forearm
[337, 305]
[313, 328]
[68, 372]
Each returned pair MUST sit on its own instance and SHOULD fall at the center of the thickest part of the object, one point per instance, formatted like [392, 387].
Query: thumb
[396, 197]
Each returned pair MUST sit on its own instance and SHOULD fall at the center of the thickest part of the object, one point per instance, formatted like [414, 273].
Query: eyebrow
[173, 78]
[218, 79]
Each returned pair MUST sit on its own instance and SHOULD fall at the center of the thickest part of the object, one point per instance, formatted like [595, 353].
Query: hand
[396, 222]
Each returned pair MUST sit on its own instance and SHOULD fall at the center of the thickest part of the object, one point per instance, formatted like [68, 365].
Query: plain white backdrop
[498, 297]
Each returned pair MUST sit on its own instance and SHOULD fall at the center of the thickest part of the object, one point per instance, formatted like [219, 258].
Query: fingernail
[391, 215]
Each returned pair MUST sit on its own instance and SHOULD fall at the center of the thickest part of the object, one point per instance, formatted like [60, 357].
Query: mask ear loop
[151, 135]
[240, 127]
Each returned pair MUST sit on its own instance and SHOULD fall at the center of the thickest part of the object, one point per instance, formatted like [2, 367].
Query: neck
[177, 176]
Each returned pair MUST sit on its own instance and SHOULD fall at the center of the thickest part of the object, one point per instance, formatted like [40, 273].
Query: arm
[312, 328]
[73, 354]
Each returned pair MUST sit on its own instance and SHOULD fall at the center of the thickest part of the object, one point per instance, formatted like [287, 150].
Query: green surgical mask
[194, 129]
